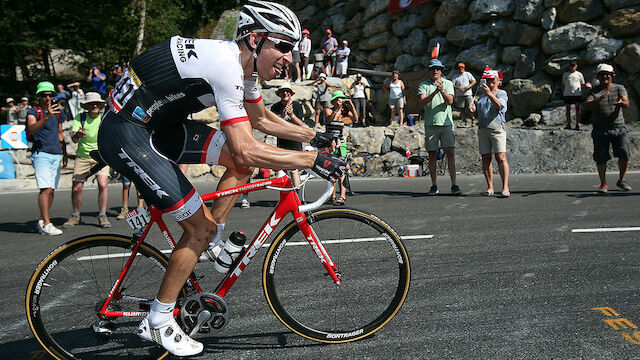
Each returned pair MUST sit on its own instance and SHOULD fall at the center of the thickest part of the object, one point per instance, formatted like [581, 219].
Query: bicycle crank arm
[203, 317]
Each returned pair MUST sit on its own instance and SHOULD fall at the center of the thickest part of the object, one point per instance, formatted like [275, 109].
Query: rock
[376, 25]
[515, 33]
[554, 116]
[407, 137]
[23, 171]
[529, 11]
[356, 22]
[629, 58]
[415, 43]
[569, 37]
[406, 62]
[507, 72]
[390, 162]
[386, 145]
[601, 49]
[483, 9]
[511, 54]
[351, 9]
[478, 56]
[552, 3]
[632, 113]
[557, 64]
[451, 13]
[525, 96]
[579, 10]
[375, 8]
[548, 20]
[369, 138]
[404, 25]
[466, 35]
[207, 115]
[393, 51]
[195, 170]
[353, 36]
[375, 42]
[515, 123]
[525, 67]
[338, 22]
[427, 14]
[336, 9]
[309, 12]
[377, 56]
[218, 170]
[624, 22]
[532, 120]
[619, 4]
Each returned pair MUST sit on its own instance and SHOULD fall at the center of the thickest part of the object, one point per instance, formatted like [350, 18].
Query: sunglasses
[281, 45]
[605, 73]
[46, 95]
[94, 104]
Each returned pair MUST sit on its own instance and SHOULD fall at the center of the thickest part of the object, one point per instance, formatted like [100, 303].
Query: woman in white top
[359, 100]
[397, 98]
[304, 49]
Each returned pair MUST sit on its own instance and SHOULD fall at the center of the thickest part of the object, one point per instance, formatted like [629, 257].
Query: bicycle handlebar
[316, 204]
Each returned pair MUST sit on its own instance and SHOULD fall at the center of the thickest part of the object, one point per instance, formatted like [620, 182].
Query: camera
[54, 101]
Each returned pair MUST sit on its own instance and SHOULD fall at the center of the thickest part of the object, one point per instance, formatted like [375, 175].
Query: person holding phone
[98, 80]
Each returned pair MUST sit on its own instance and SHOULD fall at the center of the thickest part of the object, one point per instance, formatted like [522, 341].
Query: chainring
[203, 312]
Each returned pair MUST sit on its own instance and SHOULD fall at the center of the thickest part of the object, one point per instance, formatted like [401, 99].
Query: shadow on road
[27, 349]
[27, 227]
[254, 341]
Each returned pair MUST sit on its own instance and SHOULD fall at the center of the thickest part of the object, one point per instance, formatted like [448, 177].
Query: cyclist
[145, 134]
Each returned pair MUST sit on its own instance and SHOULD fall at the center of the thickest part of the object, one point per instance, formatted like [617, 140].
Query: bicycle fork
[313, 240]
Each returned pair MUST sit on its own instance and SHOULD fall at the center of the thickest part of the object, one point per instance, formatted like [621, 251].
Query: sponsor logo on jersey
[134, 77]
[158, 103]
[140, 114]
[186, 49]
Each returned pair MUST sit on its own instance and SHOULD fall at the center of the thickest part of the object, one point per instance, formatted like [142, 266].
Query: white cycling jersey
[180, 76]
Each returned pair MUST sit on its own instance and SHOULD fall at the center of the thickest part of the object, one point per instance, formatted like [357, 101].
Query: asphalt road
[539, 275]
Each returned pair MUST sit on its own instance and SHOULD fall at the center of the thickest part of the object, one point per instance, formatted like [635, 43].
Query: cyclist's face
[272, 61]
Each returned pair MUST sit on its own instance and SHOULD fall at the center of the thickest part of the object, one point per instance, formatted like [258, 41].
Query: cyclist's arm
[266, 121]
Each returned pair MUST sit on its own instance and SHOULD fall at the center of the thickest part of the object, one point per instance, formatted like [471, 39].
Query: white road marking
[615, 229]
[297, 243]
[594, 173]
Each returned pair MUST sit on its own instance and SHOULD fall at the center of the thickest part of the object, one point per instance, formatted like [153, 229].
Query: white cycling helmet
[268, 17]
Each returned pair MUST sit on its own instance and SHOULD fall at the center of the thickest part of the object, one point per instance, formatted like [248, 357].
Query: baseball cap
[10, 100]
[604, 68]
[323, 75]
[24, 98]
[328, 31]
[45, 86]
[435, 63]
[461, 65]
[116, 66]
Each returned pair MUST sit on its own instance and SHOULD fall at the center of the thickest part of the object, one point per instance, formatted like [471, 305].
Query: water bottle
[230, 252]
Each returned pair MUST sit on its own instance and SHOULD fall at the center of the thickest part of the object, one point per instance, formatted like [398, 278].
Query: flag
[398, 5]
[435, 52]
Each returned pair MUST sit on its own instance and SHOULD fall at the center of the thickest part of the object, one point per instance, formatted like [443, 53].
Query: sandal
[340, 201]
[330, 201]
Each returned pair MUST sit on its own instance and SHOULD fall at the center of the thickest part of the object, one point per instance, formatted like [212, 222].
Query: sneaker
[73, 221]
[455, 189]
[40, 226]
[171, 337]
[433, 191]
[623, 185]
[49, 229]
[123, 212]
[603, 188]
[103, 222]
[245, 204]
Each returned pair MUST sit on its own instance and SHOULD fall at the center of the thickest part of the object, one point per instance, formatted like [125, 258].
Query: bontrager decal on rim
[272, 266]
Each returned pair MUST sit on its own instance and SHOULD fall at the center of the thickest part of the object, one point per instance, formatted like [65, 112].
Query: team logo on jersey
[186, 49]
[140, 114]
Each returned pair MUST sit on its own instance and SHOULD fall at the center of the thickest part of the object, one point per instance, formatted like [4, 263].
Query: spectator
[342, 109]
[12, 112]
[492, 137]
[329, 47]
[397, 97]
[436, 95]
[292, 112]
[343, 59]
[359, 97]
[116, 74]
[305, 49]
[606, 102]
[572, 83]
[85, 134]
[126, 186]
[322, 97]
[23, 107]
[98, 81]
[61, 97]
[295, 55]
[44, 122]
[463, 81]
[76, 99]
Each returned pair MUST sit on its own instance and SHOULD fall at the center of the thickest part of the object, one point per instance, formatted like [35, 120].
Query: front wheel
[373, 266]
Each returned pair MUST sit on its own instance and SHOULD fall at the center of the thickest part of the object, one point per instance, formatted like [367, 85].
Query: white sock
[160, 313]
[217, 239]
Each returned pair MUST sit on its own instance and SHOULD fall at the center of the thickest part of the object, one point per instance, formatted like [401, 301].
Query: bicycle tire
[375, 277]
[371, 165]
[63, 282]
[358, 165]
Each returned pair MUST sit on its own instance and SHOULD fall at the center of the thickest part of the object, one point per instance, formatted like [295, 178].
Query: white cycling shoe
[211, 254]
[171, 337]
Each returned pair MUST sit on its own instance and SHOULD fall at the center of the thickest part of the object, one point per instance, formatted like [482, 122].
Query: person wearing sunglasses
[48, 151]
[145, 133]
[606, 102]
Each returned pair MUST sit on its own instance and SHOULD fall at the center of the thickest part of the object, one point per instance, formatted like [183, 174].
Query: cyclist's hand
[322, 140]
[328, 167]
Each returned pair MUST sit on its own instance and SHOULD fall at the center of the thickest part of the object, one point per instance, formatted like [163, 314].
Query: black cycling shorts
[149, 158]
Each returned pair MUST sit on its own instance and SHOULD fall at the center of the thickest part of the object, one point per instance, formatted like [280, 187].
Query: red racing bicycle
[87, 297]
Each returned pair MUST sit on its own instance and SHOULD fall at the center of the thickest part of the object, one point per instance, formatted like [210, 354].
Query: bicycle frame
[289, 203]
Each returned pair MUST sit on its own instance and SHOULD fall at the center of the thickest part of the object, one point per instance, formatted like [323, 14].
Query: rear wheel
[71, 284]
[373, 267]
